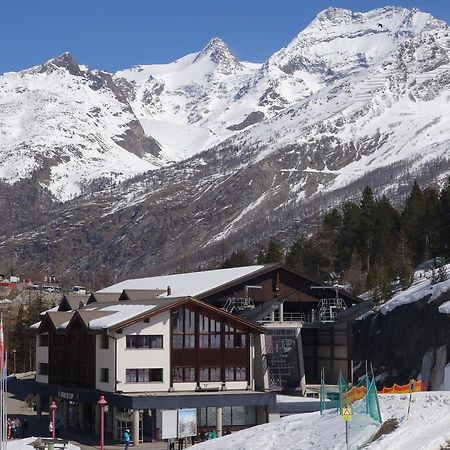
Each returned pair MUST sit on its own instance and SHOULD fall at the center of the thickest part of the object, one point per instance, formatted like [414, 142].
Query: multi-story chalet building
[219, 341]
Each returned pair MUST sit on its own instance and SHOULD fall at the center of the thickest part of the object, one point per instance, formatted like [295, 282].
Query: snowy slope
[346, 96]
[181, 103]
[54, 118]
[385, 99]
[421, 288]
[426, 428]
[25, 444]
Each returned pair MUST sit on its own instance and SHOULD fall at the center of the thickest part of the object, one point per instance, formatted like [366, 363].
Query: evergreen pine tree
[238, 258]
[274, 252]
[406, 274]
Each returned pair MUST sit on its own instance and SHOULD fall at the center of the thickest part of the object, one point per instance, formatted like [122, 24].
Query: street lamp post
[14, 360]
[102, 403]
[53, 408]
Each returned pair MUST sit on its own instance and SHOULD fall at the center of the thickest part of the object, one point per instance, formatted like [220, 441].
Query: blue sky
[113, 34]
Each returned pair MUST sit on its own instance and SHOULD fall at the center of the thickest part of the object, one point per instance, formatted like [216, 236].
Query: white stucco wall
[144, 358]
[41, 357]
[105, 359]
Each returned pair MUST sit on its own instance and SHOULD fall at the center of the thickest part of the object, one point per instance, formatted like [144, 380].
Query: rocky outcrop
[409, 342]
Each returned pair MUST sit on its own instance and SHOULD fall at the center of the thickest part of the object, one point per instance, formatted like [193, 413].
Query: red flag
[2, 346]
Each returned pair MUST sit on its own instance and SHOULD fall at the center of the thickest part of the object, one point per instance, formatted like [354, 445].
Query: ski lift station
[221, 341]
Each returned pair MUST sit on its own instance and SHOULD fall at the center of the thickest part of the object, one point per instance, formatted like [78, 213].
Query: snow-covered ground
[421, 287]
[19, 444]
[426, 428]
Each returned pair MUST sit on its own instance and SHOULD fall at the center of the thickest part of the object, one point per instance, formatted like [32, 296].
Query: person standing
[126, 439]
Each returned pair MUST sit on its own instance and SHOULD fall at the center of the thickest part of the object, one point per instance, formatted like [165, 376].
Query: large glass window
[235, 374]
[209, 332]
[183, 328]
[143, 375]
[234, 338]
[232, 416]
[183, 374]
[209, 373]
[145, 341]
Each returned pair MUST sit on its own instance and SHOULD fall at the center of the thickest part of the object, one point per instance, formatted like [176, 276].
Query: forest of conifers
[370, 244]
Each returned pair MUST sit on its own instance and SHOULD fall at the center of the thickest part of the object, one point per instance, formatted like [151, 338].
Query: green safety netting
[329, 397]
[366, 416]
[373, 406]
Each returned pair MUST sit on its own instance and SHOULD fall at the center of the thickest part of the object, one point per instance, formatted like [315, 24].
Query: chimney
[169, 290]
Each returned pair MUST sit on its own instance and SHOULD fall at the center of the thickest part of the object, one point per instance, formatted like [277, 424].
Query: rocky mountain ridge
[209, 153]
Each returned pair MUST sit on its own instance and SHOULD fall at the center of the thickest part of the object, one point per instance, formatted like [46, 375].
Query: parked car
[53, 289]
[79, 290]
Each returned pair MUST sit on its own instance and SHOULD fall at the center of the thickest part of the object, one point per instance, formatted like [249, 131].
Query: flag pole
[3, 379]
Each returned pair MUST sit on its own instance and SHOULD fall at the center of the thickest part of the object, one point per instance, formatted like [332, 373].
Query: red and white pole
[53, 408]
[102, 402]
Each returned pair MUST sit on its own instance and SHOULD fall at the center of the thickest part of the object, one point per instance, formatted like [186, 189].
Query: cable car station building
[222, 341]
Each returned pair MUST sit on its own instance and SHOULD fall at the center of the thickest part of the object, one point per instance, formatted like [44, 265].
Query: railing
[327, 311]
[289, 317]
[239, 303]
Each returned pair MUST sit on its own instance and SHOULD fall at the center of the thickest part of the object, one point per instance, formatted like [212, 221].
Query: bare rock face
[135, 141]
[251, 119]
[415, 336]
[65, 61]
[219, 53]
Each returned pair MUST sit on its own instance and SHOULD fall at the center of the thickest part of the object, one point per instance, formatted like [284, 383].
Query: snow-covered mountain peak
[389, 19]
[65, 61]
[340, 42]
[220, 54]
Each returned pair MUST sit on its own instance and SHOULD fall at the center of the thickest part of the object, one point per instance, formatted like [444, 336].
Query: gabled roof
[56, 319]
[185, 284]
[203, 284]
[167, 304]
[71, 302]
[102, 317]
[140, 294]
[102, 297]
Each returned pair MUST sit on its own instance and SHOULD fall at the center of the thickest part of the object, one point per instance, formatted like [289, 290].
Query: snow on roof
[185, 284]
[120, 312]
[55, 308]
[35, 326]
[445, 308]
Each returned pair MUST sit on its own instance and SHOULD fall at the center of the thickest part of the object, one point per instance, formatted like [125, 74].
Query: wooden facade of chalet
[202, 339]
[206, 344]
[276, 281]
[324, 345]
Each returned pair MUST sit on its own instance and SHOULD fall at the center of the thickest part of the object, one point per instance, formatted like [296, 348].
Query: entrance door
[125, 422]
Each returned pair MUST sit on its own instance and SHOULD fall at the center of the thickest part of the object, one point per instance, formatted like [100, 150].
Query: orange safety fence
[414, 386]
[354, 394]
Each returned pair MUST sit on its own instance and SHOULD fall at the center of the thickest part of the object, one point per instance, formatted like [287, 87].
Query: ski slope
[426, 428]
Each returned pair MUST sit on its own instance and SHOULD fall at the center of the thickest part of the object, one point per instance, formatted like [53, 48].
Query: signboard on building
[67, 395]
[178, 423]
[187, 422]
[169, 424]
